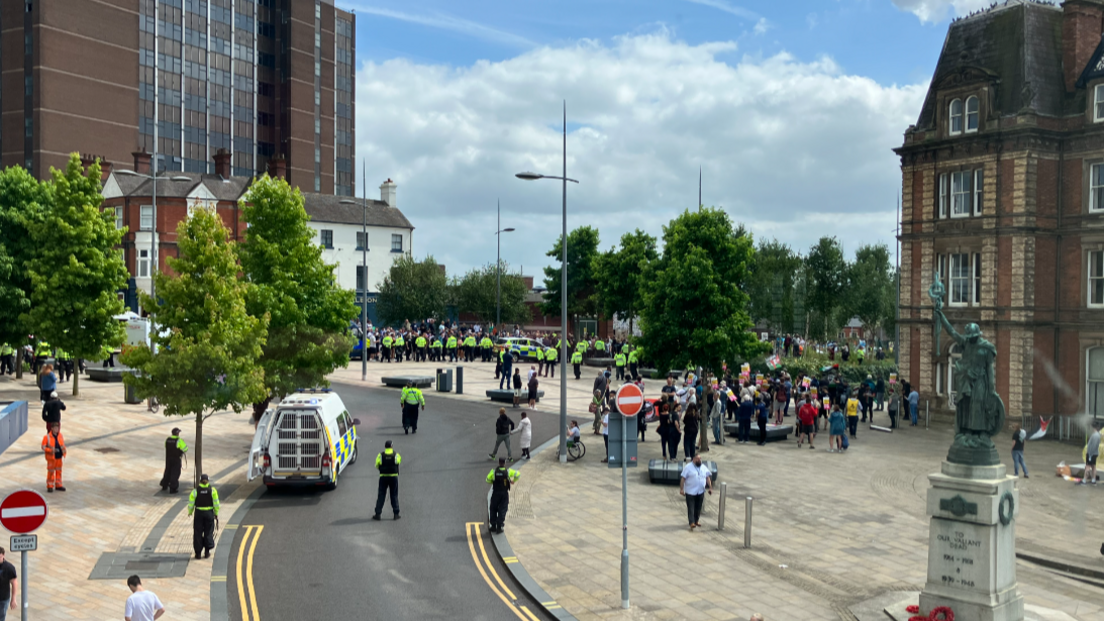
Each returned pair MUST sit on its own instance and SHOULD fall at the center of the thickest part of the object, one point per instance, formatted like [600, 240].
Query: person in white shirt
[605, 434]
[525, 431]
[693, 484]
[142, 605]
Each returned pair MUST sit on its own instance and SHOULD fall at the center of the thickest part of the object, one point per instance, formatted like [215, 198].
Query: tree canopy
[771, 285]
[582, 253]
[871, 287]
[309, 314]
[476, 293]
[414, 290]
[22, 202]
[207, 346]
[826, 274]
[695, 309]
[619, 275]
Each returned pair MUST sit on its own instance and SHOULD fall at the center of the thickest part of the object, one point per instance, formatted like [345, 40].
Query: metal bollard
[721, 506]
[927, 415]
[459, 380]
[747, 522]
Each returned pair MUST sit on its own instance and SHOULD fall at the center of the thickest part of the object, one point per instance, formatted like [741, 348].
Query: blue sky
[791, 107]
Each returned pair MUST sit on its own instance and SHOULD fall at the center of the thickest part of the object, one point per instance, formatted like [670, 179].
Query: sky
[789, 108]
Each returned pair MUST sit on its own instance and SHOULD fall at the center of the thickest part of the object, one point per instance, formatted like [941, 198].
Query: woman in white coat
[525, 428]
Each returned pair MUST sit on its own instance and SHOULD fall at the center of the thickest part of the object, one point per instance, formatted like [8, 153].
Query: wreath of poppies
[939, 613]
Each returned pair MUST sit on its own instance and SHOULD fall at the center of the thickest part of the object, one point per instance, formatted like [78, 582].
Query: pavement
[830, 530]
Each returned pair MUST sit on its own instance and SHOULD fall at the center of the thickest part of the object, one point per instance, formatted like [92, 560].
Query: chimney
[387, 193]
[142, 162]
[222, 163]
[277, 167]
[1082, 24]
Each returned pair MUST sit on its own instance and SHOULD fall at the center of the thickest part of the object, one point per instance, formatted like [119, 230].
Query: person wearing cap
[175, 448]
[388, 463]
[53, 446]
[51, 410]
[501, 479]
[204, 503]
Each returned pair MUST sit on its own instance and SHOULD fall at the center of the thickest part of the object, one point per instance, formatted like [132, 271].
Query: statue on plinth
[979, 411]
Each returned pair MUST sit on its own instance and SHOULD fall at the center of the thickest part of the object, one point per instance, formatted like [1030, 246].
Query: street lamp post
[364, 269]
[529, 176]
[498, 268]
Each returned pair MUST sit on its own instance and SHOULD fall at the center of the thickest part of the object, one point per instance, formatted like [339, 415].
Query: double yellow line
[483, 563]
[243, 572]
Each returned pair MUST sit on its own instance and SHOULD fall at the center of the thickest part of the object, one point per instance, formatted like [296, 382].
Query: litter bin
[444, 380]
[130, 394]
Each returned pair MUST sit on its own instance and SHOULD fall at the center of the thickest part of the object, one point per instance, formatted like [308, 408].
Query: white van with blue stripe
[307, 440]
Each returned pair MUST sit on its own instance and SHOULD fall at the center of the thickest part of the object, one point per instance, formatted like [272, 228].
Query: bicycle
[575, 449]
[154, 406]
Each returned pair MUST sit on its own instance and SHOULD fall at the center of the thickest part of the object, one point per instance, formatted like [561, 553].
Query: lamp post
[364, 269]
[498, 267]
[529, 176]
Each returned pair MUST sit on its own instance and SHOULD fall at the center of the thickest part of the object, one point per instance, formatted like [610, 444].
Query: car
[521, 348]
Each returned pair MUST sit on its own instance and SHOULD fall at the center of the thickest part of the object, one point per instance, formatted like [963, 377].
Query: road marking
[243, 572]
[529, 614]
[18, 512]
[471, 529]
[491, 567]
[218, 578]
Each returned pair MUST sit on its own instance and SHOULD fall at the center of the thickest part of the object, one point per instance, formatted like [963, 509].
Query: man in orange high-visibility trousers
[53, 446]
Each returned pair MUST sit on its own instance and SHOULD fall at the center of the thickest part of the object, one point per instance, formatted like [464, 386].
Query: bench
[507, 396]
[419, 381]
[664, 471]
[105, 375]
[774, 432]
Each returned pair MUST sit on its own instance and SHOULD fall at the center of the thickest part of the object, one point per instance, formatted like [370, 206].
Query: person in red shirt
[807, 414]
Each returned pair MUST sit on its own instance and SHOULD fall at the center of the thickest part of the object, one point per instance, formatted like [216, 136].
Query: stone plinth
[972, 544]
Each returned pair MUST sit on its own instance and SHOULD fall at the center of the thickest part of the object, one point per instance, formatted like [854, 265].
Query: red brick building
[1003, 195]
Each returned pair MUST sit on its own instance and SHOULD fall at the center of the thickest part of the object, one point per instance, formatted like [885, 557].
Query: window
[943, 196]
[952, 361]
[1096, 279]
[143, 264]
[939, 378]
[396, 243]
[971, 114]
[360, 241]
[146, 220]
[1094, 374]
[960, 193]
[119, 217]
[327, 238]
[960, 279]
[1098, 100]
[28, 86]
[977, 278]
[1096, 187]
[27, 46]
[28, 127]
[956, 117]
[361, 278]
[978, 184]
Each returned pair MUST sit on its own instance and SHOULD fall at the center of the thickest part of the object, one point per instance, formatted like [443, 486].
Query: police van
[306, 440]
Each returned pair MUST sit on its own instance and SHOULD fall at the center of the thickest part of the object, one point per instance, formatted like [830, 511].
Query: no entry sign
[630, 400]
[23, 512]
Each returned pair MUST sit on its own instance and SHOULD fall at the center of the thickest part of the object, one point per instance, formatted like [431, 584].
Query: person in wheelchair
[573, 432]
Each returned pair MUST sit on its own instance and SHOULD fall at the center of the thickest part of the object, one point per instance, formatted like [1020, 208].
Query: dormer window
[1098, 103]
[971, 114]
[956, 117]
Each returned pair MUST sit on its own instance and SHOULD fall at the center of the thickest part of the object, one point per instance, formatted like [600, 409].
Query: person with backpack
[781, 398]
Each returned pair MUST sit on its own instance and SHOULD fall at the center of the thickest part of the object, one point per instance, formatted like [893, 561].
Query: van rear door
[299, 441]
[260, 445]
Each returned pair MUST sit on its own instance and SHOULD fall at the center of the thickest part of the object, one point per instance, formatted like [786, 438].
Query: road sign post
[23, 512]
[630, 403]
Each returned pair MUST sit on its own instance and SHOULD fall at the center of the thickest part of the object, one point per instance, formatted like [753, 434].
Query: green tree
[771, 285]
[695, 309]
[414, 290]
[582, 252]
[870, 286]
[22, 202]
[826, 273]
[619, 275]
[475, 293]
[208, 347]
[76, 271]
[308, 330]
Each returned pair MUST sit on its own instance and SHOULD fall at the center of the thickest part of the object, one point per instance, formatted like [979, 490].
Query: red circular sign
[23, 512]
[630, 399]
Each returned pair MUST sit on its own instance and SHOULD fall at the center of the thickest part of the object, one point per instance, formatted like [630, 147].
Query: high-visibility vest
[452, 342]
[387, 341]
[577, 358]
[600, 345]
[550, 355]
[619, 360]
[633, 357]
[399, 342]
[581, 346]
[540, 354]
[486, 343]
[469, 342]
[420, 341]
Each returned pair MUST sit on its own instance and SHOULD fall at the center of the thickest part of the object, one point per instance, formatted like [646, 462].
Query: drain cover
[107, 449]
[142, 565]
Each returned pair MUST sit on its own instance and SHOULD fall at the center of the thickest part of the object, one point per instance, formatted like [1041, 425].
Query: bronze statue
[979, 411]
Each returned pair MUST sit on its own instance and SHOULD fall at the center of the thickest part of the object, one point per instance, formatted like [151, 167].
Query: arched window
[971, 114]
[1094, 376]
[956, 117]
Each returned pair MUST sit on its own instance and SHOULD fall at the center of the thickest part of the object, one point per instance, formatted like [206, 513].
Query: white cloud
[722, 5]
[436, 19]
[761, 26]
[936, 10]
[793, 149]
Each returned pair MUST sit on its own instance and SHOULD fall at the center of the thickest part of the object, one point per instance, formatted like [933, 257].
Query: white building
[338, 227]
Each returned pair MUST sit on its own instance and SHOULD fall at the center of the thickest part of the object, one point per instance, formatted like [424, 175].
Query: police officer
[619, 361]
[7, 359]
[204, 503]
[469, 348]
[174, 452]
[400, 347]
[435, 347]
[41, 353]
[388, 342]
[410, 400]
[488, 348]
[387, 463]
[550, 362]
[64, 364]
[451, 347]
[576, 363]
[500, 479]
[634, 359]
[540, 359]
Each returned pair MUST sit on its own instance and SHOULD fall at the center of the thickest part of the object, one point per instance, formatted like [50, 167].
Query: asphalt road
[321, 557]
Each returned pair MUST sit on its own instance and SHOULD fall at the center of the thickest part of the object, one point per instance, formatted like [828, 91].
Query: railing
[13, 423]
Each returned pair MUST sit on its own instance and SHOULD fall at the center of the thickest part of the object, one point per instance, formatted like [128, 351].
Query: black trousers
[550, 368]
[171, 478]
[694, 507]
[203, 530]
[500, 502]
[762, 421]
[388, 485]
[852, 424]
[743, 431]
[632, 369]
[621, 372]
[7, 364]
[672, 442]
[578, 371]
[410, 416]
